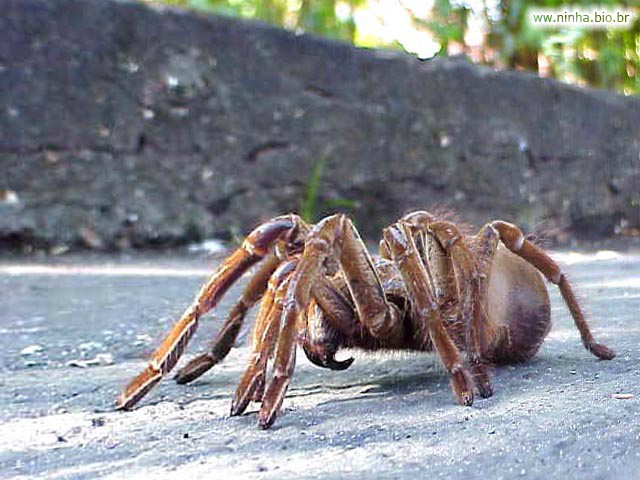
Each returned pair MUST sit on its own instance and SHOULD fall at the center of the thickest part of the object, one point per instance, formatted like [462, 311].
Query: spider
[476, 300]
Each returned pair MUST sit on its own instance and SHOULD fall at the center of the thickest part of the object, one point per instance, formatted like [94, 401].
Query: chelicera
[475, 300]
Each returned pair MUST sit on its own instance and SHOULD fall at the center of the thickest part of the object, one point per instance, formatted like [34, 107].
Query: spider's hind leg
[515, 241]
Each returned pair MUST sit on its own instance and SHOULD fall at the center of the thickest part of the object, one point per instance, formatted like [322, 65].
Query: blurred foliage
[492, 32]
[311, 206]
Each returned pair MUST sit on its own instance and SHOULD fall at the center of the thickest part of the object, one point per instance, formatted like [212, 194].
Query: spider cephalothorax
[475, 300]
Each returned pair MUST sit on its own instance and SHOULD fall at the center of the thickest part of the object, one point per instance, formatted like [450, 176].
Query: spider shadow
[425, 385]
[365, 384]
[433, 384]
[414, 381]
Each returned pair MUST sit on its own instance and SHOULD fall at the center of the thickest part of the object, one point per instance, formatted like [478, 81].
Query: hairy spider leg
[515, 241]
[255, 247]
[471, 299]
[265, 331]
[428, 321]
[382, 318]
[334, 236]
[228, 334]
[470, 265]
[483, 331]
[285, 358]
[461, 277]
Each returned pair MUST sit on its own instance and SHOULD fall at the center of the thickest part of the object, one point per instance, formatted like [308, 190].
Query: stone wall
[123, 125]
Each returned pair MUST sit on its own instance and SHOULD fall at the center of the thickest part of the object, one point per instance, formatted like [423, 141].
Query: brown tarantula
[433, 288]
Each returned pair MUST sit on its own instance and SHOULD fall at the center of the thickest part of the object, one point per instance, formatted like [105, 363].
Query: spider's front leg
[227, 335]
[264, 334]
[295, 305]
[400, 246]
[336, 237]
[255, 247]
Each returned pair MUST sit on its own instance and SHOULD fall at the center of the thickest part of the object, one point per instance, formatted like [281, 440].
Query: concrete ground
[76, 329]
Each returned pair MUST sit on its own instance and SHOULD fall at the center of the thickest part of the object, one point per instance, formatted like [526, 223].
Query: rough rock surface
[124, 125]
[563, 415]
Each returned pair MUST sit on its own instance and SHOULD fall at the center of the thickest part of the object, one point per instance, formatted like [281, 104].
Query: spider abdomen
[518, 306]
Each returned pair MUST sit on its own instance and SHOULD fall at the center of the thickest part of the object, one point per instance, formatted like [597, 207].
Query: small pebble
[622, 396]
[31, 350]
[99, 359]
[97, 422]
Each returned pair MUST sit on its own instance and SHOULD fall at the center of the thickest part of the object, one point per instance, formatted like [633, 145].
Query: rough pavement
[74, 331]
